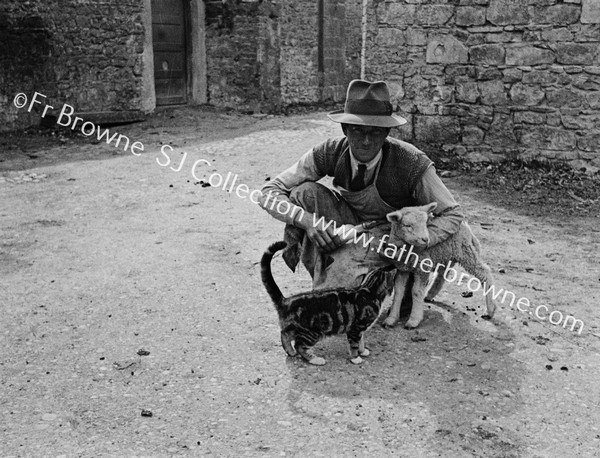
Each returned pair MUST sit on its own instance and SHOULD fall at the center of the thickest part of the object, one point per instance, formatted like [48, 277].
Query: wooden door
[169, 42]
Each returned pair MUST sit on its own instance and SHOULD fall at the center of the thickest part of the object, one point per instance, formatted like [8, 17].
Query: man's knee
[307, 194]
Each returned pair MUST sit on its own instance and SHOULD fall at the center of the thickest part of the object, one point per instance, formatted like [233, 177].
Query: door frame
[196, 80]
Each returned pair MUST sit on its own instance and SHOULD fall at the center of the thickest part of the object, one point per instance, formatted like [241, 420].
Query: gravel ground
[135, 322]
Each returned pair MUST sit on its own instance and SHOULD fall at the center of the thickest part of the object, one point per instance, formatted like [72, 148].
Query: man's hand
[324, 238]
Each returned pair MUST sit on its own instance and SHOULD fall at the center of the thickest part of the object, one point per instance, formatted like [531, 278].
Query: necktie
[358, 182]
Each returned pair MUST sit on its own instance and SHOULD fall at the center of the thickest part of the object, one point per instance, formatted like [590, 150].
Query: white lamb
[409, 225]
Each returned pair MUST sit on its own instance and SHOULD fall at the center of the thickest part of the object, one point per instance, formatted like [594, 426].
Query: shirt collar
[370, 165]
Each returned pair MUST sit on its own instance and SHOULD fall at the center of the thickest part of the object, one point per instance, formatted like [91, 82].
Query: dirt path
[103, 258]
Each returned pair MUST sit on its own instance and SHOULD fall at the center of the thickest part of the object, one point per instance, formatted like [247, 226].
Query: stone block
[398, 14]
[486, 29]
[557, 34]
[446, 49]
[504, 37]
[543, 77]
[575, 53]
[467, 92]
[528, 55]
[542, 2]
[472, 135]
[529, 117]
[582, 122]
[556, 15]
[468, 16]
[487, 54]
[416, 87]
[396, 92]
[492, 92]
[442, 94]
[564, 98]
[522, 94]
[480, 156]
[434, 14]
[593, 100]
[501, 132]
[550, 138]
[587, 33]
[391, 38]
[475, 39]
[587, 82]
[590, 12]
[590, 142]
[553, 119]
[479, 114]
[512, 75]
[573, 69]
[416, 37]
[437, 129]
[427, 109]
[487, 73]
[505, 12]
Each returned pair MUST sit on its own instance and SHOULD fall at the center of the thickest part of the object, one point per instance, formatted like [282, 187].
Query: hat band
[368, 107]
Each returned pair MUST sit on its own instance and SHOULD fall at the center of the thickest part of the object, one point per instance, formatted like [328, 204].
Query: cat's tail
[267, 275]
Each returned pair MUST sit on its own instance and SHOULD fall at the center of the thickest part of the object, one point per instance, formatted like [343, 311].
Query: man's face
[365, 141]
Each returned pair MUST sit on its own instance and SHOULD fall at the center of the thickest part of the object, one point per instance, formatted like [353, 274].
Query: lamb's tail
[267, 275]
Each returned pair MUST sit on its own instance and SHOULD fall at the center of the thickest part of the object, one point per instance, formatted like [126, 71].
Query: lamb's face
[410, 225]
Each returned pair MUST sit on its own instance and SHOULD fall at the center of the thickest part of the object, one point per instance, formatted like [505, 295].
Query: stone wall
[84, 53]
[298, 25]
[232, 42]
[489, 79]
[262, 56]
[353, 37]
[313, 51]
[98, 55]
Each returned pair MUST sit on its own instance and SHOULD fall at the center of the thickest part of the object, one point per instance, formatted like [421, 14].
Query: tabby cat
[306, 318]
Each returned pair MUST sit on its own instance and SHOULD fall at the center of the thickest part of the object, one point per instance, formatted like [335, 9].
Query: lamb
[409, 226]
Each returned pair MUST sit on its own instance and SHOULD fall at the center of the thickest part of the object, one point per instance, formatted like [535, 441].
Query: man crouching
[373, 175]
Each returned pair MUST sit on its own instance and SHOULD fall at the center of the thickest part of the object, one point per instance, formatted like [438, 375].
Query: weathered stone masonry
[483, 79]
[263, 55]
[85, 53]
[488, 79]
[252, 55]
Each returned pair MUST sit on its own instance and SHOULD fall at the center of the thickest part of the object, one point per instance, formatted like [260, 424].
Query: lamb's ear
[358, 281]
[429, 207]
[395, 216]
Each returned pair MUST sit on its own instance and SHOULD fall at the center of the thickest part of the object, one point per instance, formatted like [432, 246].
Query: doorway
[170, 48]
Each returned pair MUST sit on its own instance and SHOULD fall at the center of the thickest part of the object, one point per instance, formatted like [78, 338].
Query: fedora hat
[367, 104]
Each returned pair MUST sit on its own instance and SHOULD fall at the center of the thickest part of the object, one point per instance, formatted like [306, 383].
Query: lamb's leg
[436, 287]
[418, 296]
[399, 287]
[483, 273]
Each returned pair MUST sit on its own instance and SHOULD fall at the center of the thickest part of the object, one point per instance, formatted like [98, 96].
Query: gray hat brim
[367, 120]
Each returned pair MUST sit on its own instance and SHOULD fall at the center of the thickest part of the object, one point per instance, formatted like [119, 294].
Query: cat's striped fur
[306, 318]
